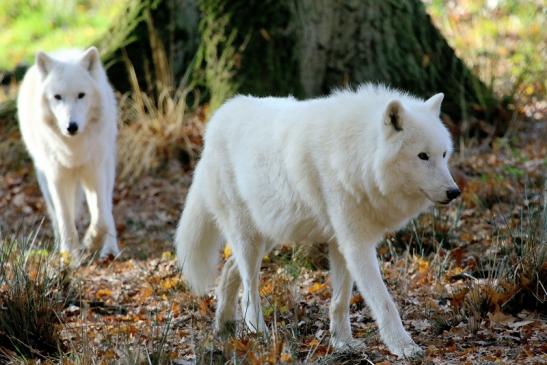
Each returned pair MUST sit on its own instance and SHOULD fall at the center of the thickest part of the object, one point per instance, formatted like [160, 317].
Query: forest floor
[469, 278]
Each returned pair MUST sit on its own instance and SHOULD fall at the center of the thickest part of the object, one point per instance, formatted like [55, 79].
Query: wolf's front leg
[357, 245]
[44, 188]
[62, 191]
[363, 265]
[101, 233]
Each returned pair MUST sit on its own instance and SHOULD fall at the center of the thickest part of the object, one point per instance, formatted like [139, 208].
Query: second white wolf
[342, 169]
[68, 118]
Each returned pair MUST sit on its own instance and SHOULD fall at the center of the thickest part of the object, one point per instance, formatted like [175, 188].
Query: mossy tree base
[303, 48]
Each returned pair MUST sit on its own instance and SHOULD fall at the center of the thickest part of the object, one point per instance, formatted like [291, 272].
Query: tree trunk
[301, 47]
[152, 45]
[308, 47]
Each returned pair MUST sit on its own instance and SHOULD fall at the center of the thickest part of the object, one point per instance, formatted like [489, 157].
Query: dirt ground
[137, 306]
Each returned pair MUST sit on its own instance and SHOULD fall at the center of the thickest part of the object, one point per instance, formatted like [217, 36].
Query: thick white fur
[66, 162]
[342, 169]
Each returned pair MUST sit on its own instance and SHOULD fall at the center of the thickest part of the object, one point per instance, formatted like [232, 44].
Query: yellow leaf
[176, 309]
[317, 288]
[103, 293]
[240, 345]
[313, 343]
[423, 266]
[267, 289]
[66, 258]
[286, 357]
[146, 292]
[169, 283]
[227, 252]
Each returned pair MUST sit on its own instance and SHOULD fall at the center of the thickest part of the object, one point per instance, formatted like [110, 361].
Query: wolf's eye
[444, 154]
[423, 156]
[58, 97]
[81, 95]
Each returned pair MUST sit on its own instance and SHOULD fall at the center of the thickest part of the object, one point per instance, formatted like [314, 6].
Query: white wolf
[342, 169]
[68, 119]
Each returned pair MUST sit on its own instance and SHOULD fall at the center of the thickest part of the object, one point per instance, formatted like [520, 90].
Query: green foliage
[216, 58]
[30, 26]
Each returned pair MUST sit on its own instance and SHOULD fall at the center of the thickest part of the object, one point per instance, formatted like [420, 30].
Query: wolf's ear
[90, 60]
[44, 63]
[434, 103]
[393, 117]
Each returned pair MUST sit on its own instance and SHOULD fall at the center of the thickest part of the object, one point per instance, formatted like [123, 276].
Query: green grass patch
[31, 26]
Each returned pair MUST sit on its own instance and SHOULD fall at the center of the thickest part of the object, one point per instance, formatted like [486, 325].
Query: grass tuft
[33, 292]
[155, 131]
[510, 277]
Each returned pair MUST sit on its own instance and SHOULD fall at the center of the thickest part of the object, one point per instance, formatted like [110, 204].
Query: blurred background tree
[304, 48]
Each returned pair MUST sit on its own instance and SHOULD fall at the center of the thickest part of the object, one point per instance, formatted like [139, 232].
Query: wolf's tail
[197, 241]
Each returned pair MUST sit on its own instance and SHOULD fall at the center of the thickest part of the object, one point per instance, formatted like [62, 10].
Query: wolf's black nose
[453, 194]
[72, 128]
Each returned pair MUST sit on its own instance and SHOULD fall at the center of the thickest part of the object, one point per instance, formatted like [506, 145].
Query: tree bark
[153, 43]
[308, 47]
[304, 48]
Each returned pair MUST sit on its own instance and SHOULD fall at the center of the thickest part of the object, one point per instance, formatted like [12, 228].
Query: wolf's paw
[346, 343]
[258, 328]
[70, 258]
[93, 238]
[401, 344]
[226, 318]
[408, 350]
[225, 329]
[109, 249]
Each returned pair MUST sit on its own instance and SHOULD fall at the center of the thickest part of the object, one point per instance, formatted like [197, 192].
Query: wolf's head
[416, 147]
[70, 93]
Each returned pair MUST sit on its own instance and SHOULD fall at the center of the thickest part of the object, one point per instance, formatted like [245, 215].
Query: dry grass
[154, 131]
[160, 127]
[33, 291]
[509, 277]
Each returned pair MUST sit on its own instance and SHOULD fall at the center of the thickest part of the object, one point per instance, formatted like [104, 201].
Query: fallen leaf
[317, 288]
[227, 252]
[103, 293]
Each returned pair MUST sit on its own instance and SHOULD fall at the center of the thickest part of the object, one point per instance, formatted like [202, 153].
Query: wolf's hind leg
[227, 292]
[342, 284]
[248, 254]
